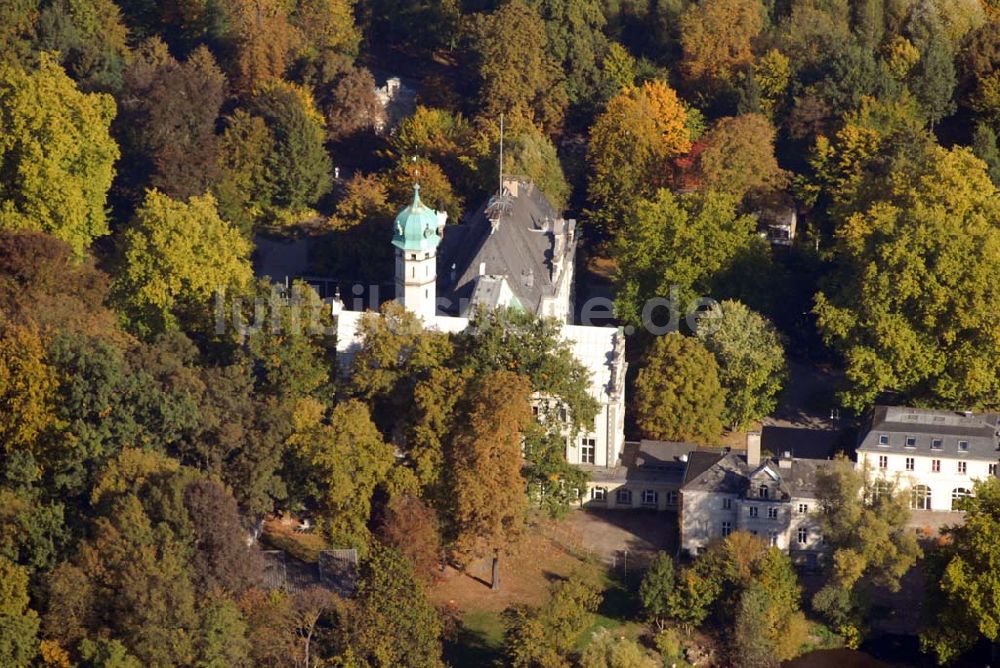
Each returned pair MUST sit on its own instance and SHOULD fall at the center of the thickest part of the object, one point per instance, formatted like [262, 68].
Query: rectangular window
[936, 444]
[963, 446]
[727, 504]
[587, 449]
[599, 494]
[883, 439]
[936, 466]
[727, 528]
[671, 498]
[803, 508]
[962, 468]
[911, 441]
[772, 538]
[910, 463]
[803, 535]
[993, 469]
[650, 497]
[883, 462]
[623, 497]
[753, 511]
[772, 513]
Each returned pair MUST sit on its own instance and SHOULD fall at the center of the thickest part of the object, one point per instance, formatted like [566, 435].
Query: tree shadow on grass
[471, 647]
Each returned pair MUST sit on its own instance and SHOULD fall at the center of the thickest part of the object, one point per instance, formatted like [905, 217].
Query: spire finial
[416, 195]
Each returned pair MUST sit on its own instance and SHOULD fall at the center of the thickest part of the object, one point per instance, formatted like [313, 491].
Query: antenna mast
[501, 155]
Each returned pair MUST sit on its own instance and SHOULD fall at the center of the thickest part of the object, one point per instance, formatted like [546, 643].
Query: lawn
[526, 576]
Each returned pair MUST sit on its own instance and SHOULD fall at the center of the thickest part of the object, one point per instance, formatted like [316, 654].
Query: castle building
[516, 251]
[525, 262]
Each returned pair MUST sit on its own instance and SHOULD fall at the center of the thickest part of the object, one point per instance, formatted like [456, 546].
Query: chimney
[753, 449]
[785, 462]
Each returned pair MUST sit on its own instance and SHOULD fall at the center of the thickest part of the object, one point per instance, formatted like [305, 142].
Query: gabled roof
[932, 432]
[517, 235]
[728, 473]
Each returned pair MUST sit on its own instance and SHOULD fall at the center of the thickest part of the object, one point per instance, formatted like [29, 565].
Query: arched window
[763, 492]
[920, 497]
[957, 495]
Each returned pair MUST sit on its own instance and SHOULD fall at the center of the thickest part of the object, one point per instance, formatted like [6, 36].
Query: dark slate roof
[924, 426]
[529, 235]
[729, 474]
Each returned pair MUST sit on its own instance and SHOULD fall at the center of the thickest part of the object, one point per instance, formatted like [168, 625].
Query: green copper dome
[416, 226]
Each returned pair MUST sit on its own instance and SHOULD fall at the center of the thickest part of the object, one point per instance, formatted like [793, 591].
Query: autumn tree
[244, 190]
[484, 461]
[517, 73]
[27, 389]
[754, 587]
[717, 38]
[57, 154]
[129, 579]
[751, 360]
[963, 590]
[678, 396]
[345, 94]
[222, 560]
[395, 353]
[913, 318]
[327, 25]
[261, 41]
[676, 247]
[608, 650]
[864, 522]
[575, 39]
[298, 167]
[411, 526]
[656, 588]
[511, 340]
[174, 257]
[344, 459]
[42, 282]
[546, 635]
[166, 122]
[91, 39]
[18, 623]
[630, 145]
[394, 623]
[739, 156]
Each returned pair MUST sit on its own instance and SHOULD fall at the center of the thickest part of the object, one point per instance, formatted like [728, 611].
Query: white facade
[936, 455]
[774, 501]
[416, 282]
[934, 483]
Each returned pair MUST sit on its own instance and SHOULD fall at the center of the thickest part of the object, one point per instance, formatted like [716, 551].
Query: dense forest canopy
[145, 145]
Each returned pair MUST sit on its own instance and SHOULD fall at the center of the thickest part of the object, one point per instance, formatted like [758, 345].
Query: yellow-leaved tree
[630, 146]
[174, 257]
[56, 153]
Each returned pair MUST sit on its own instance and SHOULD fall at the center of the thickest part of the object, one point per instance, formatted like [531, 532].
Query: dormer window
[963, 446]
[763, 492]
[936, 444]
[883, 439]
[911, 441]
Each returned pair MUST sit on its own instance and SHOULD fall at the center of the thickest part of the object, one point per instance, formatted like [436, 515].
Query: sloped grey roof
[729, 474]
[520, 248]
[487, 292]
[924, 426]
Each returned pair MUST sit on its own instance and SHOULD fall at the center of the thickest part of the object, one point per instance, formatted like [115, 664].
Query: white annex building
[935, 454]
[513, 252]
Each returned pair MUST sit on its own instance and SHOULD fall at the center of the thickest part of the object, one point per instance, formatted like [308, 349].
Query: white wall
[941, 483]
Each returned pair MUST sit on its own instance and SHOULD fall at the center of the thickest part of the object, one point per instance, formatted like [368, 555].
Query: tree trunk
[496, 573]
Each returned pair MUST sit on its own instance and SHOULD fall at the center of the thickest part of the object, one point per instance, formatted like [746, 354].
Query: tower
[416, 238]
